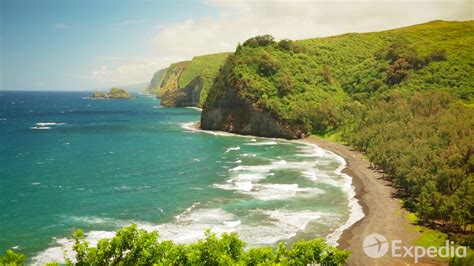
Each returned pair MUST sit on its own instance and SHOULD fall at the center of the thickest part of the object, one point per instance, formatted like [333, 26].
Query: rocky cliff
[187, 96]
[233, 114]
[171, 78]
[187, 83]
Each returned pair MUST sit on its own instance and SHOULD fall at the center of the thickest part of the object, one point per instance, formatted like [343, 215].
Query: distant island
[114, 93]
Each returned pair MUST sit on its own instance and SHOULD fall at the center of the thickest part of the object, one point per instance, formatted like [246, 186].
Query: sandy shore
[383, 213]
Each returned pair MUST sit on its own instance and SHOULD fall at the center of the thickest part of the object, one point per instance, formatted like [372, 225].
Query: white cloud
[117, 70]
[238, 20]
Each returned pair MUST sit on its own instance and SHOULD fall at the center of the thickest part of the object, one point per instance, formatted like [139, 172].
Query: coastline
[383, 213]
[357, 212]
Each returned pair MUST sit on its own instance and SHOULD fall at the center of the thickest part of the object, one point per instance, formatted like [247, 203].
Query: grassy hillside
[404, 97]
[206, 66]
[179, 75]
[155, 82]
[299, 81]
[171, 78]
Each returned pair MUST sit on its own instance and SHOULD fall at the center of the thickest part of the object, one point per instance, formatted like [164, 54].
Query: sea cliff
[187, 83]
[292, 88]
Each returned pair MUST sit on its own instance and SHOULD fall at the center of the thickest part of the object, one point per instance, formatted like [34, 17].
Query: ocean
[69, 162]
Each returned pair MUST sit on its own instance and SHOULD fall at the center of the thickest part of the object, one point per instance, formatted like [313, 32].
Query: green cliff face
[155, 82]
[180, 77]
[171, 78]
[298, 87]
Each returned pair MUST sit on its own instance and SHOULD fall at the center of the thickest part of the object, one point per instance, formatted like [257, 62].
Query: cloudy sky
[82, 45]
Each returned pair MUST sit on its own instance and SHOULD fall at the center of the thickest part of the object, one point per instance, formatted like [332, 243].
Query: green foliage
[117, 93]
[424, 144]
[306, 84]
[132, 246]
[259, 41]
[98, 94]
[12, 258]
[207, 67]
[404, 97]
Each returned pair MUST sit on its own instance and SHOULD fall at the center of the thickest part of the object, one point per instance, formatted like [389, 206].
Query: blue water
[103, 164]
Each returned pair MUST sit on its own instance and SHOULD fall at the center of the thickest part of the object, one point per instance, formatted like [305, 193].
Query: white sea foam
[297, 219]
[232, 149]
[281, 224]
[268, 192]
[63, 247]
[195, 108]
[44, 124]
[40, 127]
[190, 226]
[345, 183]
[262, 143]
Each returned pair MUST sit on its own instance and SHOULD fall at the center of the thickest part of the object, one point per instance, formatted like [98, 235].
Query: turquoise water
[103, 164]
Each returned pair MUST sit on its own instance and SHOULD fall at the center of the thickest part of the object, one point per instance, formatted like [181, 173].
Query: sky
[90, 44]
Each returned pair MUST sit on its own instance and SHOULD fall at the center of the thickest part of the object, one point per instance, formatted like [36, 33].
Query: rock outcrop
[114, 93]
[187, 96]
[187, 83]
[171, 78]
[233, 114]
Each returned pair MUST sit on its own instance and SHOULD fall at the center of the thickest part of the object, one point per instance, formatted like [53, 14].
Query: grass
[206, 66]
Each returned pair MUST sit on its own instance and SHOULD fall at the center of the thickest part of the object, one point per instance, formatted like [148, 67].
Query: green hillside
[403, 97]
[170, 79]
[205, 66]
[296, 79]
[180, 79]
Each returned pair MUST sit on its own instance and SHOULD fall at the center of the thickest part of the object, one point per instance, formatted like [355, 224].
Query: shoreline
[383, 213]
[357, 210]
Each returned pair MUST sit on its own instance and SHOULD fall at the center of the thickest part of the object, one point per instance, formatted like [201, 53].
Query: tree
[259, 41]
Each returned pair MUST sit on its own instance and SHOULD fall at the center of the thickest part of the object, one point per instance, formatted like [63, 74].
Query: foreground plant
[136, 246]
[133, 246]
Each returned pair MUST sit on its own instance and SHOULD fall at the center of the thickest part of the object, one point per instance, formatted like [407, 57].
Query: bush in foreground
[133, 246]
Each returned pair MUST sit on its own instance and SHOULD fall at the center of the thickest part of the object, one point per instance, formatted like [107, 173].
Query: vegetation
[404, 97]
[179, 75]
[424, 144]
[205, 66]
[306, 83]
[12, 258]
[114, 93]
[132, 246]
[171, 78]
